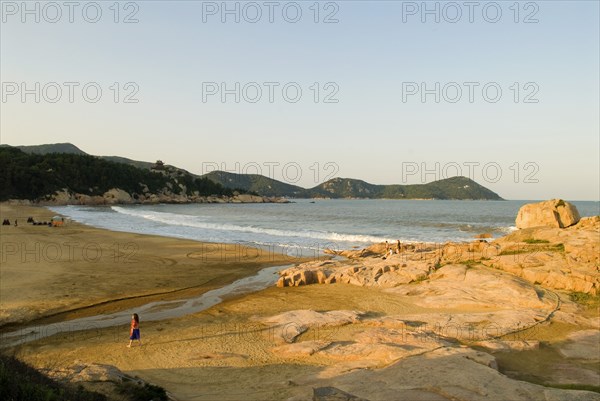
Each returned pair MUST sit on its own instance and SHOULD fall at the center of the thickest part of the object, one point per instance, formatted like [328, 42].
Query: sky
[390, 92]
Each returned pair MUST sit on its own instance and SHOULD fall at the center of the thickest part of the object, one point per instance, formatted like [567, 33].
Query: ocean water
[314, 225]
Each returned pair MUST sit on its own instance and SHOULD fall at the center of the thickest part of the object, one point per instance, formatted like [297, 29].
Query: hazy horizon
[384, 92]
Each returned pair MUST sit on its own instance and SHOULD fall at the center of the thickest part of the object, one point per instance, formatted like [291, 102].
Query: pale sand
[46, 270]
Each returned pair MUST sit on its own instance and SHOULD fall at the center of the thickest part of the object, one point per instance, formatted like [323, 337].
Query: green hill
[52, 148]
[72, 149]
[255, 183]
[135, 163]
[37, 176]
[449, 188]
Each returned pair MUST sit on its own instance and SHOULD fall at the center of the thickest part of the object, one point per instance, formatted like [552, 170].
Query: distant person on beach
[134, 331]
[387, 250]
[398, 247]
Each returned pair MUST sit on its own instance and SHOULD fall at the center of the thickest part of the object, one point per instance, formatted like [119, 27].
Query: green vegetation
[470, 263]
[516, 251]
[37, 176]
[52, 148]
[533, 249]
[451, 188]
[19, 381]
[585, 298]
[254, 183]
[536, 241]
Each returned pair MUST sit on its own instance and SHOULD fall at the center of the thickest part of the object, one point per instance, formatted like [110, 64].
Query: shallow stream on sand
[153, 311]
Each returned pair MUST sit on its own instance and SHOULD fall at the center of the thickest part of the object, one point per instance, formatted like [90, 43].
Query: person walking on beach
[134, 331]
[398, 247]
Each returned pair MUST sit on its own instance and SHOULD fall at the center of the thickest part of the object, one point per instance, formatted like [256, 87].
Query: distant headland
[64, 174]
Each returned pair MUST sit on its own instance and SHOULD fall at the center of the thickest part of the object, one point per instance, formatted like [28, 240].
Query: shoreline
[465, 317]
[64, 271]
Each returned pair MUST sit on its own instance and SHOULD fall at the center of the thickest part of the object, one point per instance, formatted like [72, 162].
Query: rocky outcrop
[246, 198]
[88, 372]
[290, 325]
[556, 258]
[551, 213]
[443, 374]
[562, 259]
[116, 196]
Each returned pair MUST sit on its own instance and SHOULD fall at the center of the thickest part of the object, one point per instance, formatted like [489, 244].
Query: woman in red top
[134, 331]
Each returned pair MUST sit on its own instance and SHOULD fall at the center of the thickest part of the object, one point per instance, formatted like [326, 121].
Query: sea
[314, 225]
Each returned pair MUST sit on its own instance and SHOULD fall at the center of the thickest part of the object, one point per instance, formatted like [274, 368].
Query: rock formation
[556, 258]
[118, 196]
[551, 213]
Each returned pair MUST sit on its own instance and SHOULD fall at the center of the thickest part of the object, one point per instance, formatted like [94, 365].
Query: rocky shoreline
[554, 249]
[511, 318]
[118, 196]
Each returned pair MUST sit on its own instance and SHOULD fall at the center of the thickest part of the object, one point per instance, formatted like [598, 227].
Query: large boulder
[116, 196]
[551, 213]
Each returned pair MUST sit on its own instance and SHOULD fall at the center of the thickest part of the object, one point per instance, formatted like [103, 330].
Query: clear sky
[384, 62]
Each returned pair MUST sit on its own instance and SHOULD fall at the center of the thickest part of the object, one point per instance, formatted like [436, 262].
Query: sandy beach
[379, 343]
[67, 270]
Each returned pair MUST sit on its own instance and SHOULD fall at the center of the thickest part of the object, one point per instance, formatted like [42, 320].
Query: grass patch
[532, 249]
[515, 252]
[20, 381]
[536, 241]
[469, 263]
[585, 298]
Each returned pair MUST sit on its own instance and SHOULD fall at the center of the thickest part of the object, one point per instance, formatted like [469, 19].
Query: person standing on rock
[134, 331]
[387, 250]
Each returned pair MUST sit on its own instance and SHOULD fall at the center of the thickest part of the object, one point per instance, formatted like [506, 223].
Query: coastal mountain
[256, 183]
[450, 188]
[40, 177]
[52, 148]
[72, 149]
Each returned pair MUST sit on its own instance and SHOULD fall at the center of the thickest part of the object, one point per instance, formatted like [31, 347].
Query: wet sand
[66, 270]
